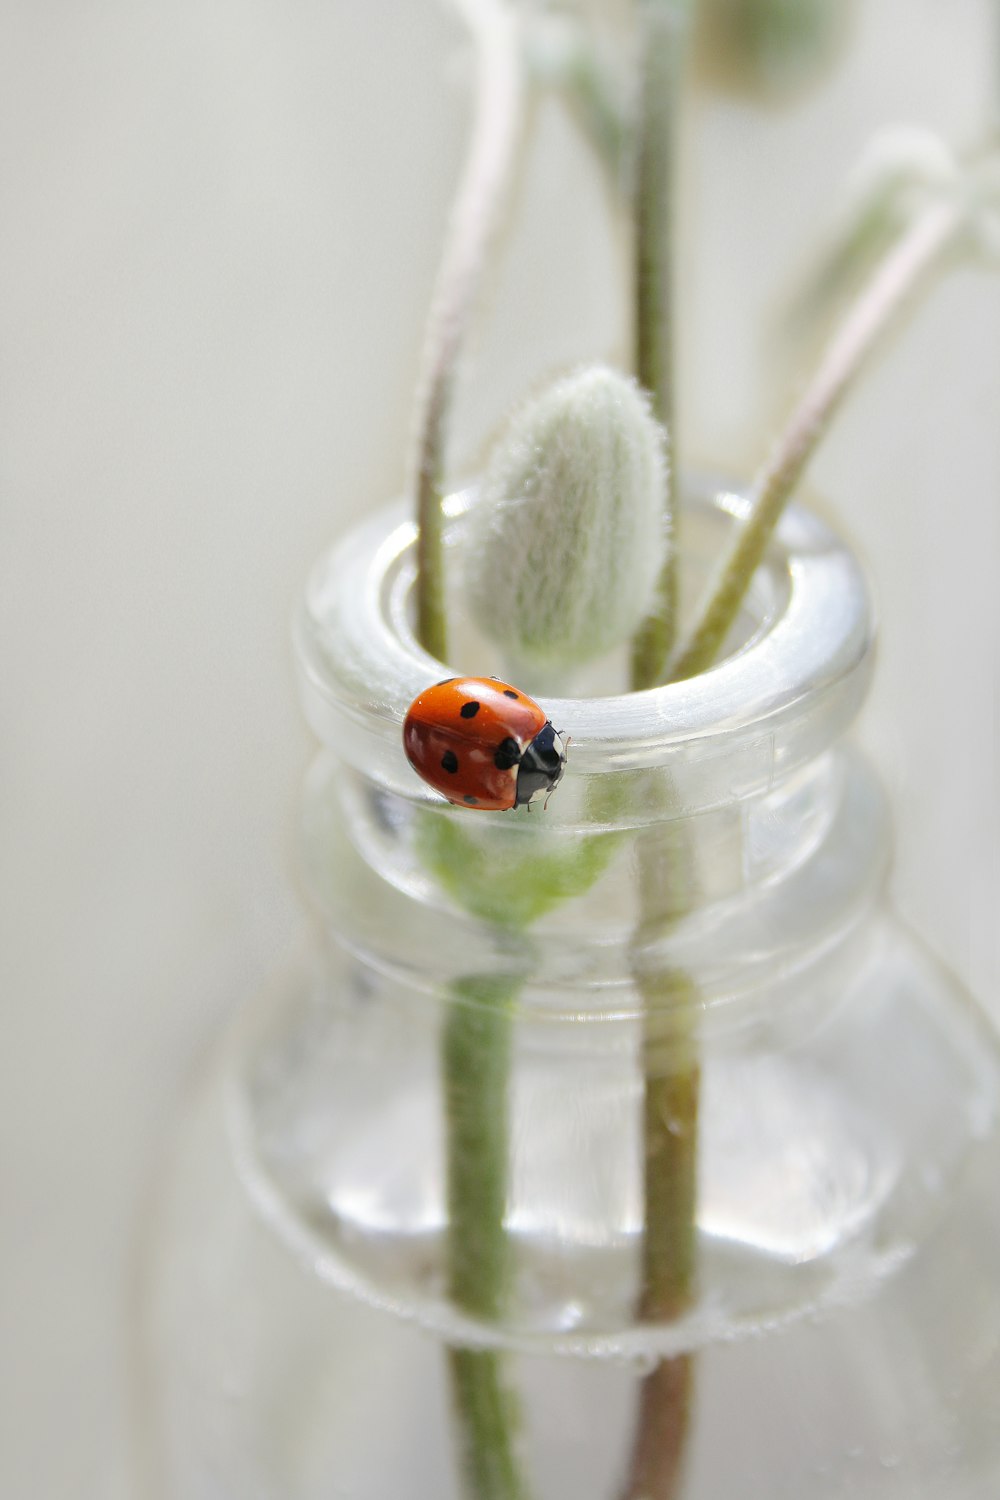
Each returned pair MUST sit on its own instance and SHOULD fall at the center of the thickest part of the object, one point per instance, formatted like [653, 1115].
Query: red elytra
[482, 743]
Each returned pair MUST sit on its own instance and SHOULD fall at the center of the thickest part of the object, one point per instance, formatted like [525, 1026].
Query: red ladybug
[482, 743]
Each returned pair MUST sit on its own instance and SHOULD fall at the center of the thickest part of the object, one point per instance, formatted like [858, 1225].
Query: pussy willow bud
[772, 49]
[899, 167]
[569, 539]
[902, 169]
[562, 55]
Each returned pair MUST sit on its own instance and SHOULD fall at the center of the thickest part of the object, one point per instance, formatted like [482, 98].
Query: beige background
[220, 225]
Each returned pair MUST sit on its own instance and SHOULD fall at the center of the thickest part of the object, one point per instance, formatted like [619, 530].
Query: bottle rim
[786, 692]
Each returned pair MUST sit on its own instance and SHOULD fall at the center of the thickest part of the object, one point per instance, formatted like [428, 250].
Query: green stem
[670, 1139]
[904, 270]
[671, 1087]
[507, 882]
[499, 93]
[475, 1065]
[663, 30]
[671, 1090]
[486, 1409]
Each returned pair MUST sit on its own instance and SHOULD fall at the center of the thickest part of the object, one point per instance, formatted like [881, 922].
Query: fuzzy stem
[475, 1066]
[663, 30]
[499, 97]
[903, 271]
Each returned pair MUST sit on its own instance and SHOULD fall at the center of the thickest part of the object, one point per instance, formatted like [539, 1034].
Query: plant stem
[670, 1093]
[663, 29]
[499, 92]
[671, 1089]
[475, 1066]
[508, 884]
[903, 271]
[672, 1084]
[487, 1412]
[661, 1430]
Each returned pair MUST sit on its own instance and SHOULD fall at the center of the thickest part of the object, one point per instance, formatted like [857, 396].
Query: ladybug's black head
[542, 765]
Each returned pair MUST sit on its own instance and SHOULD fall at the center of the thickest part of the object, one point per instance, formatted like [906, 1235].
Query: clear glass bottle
[844, 1327]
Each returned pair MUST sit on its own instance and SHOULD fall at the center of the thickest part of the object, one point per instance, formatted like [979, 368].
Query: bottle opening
[796, 669]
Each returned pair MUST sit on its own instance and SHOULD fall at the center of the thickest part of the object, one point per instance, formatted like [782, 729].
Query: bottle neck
[774, 889]
[746, 900]
[710, 827]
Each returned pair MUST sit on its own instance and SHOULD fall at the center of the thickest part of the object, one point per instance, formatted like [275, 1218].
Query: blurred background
[221, 225]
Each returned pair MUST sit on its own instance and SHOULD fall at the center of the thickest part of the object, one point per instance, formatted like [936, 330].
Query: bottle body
[271, 1381]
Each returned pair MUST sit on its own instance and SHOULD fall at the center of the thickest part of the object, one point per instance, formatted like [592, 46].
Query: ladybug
[482, 743]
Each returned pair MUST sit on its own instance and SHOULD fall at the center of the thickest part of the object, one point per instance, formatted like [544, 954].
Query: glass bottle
[844, 1323]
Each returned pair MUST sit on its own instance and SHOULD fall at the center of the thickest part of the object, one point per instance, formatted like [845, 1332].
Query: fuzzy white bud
[901, 165]
[568, 540]
[903, 170]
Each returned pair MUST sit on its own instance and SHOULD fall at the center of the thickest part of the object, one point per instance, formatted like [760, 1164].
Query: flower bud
[772, 50]
[901, 170]
[900, 165]
[569, 538]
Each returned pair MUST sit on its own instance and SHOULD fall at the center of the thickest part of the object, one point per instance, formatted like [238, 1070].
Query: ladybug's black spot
[509, 693]
[507, 754]
[471, 801]
[449, 761]
[470, 709]
[444, 682]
